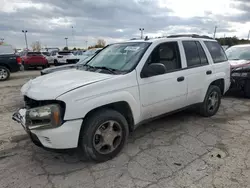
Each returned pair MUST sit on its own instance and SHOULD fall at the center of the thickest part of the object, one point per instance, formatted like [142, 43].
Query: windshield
[84, 61]
[121, 56]
[6, 49]
[238, 52]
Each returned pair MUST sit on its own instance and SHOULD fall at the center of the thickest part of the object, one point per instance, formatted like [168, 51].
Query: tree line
[230, 41]
[101, 43]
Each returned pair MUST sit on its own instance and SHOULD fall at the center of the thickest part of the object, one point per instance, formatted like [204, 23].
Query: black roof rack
[190, 35]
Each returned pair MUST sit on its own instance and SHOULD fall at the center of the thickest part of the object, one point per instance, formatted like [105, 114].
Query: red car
[34, 59]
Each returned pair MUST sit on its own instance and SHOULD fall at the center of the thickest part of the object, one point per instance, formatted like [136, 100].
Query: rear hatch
[35, 57]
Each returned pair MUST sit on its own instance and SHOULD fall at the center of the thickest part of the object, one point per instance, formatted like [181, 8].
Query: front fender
[79, 108]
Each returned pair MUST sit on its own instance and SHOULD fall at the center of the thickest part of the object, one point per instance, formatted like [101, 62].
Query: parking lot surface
[182, 150]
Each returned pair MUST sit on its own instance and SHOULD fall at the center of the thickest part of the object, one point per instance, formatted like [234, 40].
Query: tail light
[19, 60]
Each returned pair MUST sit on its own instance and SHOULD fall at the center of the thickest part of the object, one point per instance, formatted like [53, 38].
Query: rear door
[198, 70]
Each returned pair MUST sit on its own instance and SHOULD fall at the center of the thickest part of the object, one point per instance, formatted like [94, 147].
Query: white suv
[96, 106]
[65, 57]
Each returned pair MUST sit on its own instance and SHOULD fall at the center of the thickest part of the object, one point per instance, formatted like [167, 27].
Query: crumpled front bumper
[64, 137]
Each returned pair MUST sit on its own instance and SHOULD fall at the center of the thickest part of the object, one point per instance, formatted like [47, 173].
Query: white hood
[52, 85]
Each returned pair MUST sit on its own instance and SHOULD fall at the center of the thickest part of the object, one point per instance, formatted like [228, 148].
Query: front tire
[4, 73]
[103, 135]
[212, 101]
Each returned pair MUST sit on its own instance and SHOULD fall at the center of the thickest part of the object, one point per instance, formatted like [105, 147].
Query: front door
[167, 92]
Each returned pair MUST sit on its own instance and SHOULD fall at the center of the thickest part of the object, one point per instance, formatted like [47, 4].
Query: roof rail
[189, 35]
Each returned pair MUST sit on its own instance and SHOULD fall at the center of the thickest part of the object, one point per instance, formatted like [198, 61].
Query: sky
[83, 22]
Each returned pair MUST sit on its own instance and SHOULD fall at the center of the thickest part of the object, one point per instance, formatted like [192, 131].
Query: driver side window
[167, 54]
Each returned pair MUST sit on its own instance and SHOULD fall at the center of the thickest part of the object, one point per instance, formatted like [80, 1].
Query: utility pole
[25, 36]
[248, 35]
[86, 44]
[141, 29]
[66, 39]
[215, 28]
[73, 36]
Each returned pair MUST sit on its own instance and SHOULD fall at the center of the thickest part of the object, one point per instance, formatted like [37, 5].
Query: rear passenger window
[202, 54]
[195, 54]
[216, 51]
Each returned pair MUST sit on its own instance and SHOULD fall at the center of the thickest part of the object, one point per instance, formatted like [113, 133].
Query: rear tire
[4, 73]
[25, 67]
[212, 101]
[247, 89]
[55, 62]
[103, 135]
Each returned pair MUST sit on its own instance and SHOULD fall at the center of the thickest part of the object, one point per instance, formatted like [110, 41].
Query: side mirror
[153, 70]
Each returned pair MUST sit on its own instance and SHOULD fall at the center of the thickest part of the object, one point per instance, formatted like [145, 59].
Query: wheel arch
[220, 83]
[5, 65]
[120, 106]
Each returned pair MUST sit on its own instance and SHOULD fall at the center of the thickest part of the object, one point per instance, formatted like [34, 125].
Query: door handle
[180, 79]
[209, 72]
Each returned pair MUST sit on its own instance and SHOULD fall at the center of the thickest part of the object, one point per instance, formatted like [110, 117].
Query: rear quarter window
[216, 51]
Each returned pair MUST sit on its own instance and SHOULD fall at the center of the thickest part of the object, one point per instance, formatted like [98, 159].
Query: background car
[49, 58]
[88, 53]
[34, 59]
[238, 55]
[66, 67]
[9, 62]
[65, 57]
[239, 58]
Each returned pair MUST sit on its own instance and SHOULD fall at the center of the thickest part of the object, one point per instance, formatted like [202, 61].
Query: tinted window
[64, 53]
[167, 54]
[202, 54]
[216, 51]
[192, 54]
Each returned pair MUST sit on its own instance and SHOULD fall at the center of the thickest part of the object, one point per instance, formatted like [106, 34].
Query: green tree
[65, 48]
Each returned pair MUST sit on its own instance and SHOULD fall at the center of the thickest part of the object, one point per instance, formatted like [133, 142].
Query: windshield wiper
[88, 66]
[108, 69]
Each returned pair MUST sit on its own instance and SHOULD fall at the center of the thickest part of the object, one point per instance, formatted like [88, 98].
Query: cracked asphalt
[182, 150]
